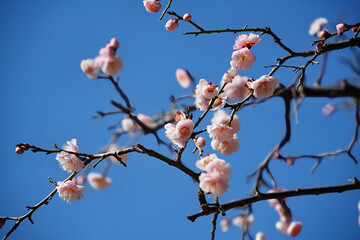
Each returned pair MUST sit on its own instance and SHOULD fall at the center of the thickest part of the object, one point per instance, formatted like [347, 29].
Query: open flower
[264, 86]
[204, 92]
[68, 161]
[213, 183]
[246, 41]
[220, 132]
[317, 25]
[183, 77]
[226, 147]
[69, 191]
[90, 67]
[221, 117]
[180, 133]
[98, 181]
[242, 59]
[238, 88]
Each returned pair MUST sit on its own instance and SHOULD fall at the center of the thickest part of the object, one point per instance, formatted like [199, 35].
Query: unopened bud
[187, 17]
[294, 229]
[172, 24]
[201, 141]
[323, 34]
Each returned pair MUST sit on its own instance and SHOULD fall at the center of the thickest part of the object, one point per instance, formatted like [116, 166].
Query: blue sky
[45, 98]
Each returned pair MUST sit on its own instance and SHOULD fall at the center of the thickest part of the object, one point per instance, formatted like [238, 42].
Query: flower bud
[187, 17]
[19, 150]
[340, 28]
[290, 161]
[294, 229]
[201, 141]
[323, 34]
[260, 236]
[172, 24]
[152, 5]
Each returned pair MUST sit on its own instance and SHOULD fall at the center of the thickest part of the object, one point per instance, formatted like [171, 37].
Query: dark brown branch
[354, 185]
[213, 221]
[180, 18]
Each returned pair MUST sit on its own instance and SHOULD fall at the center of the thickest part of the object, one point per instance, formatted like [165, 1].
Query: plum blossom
[340, 28]
[187, 17]
[226, 147]
[238, 88]
[68, 161]
[219, 102]
[282, 226]
[90, 67]
[98, 181]
[264, 86]
[323, 34]
[109, 63]
[201, 142]
[203, 162]
[317, 25]
[328, 109]
[242, 59]
[243, 221]
[229, 75]
[172, 24]
[116, 148]
[245, 41]
[152, 5]
[225, 224]
[183, 77]
[260, 236]
[204, 92]
[180, 133]
[69, 191]
[221, 117]
[294, 229]
[284, 212]
[220, 132]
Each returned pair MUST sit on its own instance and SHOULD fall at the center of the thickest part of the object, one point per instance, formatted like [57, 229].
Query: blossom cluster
[68, 161]
[180, 133]
[243, 58]
[205, 92]
[215, 177]
[109, 63]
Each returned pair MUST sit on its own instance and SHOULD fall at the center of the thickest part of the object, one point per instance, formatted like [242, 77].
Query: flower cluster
[243, 58]
[238, 88]
[69, 191]
[68, 161]
[109, 63]
[205, 92]
[224, 137]
[215, 178]
[180, 133]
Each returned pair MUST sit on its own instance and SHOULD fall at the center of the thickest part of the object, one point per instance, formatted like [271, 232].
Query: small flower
[221, 117]
[180, 133]
[225, 224]
[243, 221]
[152, 5]
[226, 147]
[69, 161]
[114, 44]
[129, 125]
[229, 75]
[90, 67]
[172, 24]
[204, 92]
[213, 183]
[317, 25]
[219, 102]
[242, 59]
[201, 142]
[69, 191]
[340, 28]
[98, 181]
[203, 162]
[294, 229]
[238, 88]
[264, 86]
[245, 41]
[112, 65]
[187, 17]
[328, 109]
[109, 63]
[260, 236]
[220, 132]
[116, 148]
[183, 77]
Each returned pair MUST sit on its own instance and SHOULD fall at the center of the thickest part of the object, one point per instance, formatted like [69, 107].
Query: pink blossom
[187, 17]
[225, 224]
[203, 162]
[221, 117]
[213, 183]
[172, 24]
[328, 109]
[260, 236]
[219, 166]
[245, 41]
[243, 221]
[116, 148]
[112, 65]
[90, 67]
[219, 102]
[20, 150]
[69, 191]
[204, 92]
[201, 142]
[210, 91]
[323, 34]
[226, 147]
[340, 28]
[183, 77]
[109, 63]
[129, 125]
[294, 229]
[68, 161]
[238, 88]
[220, 132]
[264, 86]
[114, 44]
[242, 59]
[180, 133]
[152, 5]
[290, 161]
[282, 226]
[317, 25]
[98, 181]
[229, 75]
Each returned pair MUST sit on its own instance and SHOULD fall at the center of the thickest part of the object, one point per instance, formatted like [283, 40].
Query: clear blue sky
[45, 98]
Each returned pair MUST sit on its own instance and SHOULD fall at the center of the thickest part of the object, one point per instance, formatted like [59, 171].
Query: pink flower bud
[187, 17]
[282, 226]
[290, 160]
[183, 77]
[172, 24]
[260, 236]
[19, 150]
[152, 5]
[114, 43]
[340, 28]
[201, 141]
[323, 34]
[294, 229]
